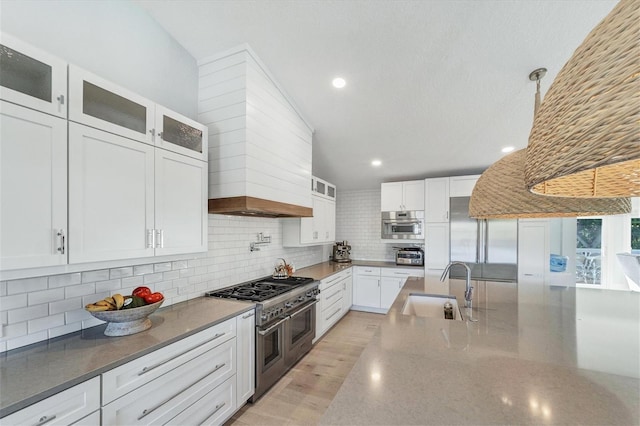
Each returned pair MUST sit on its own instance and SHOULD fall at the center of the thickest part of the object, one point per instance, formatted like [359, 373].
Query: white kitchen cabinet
[214, 408]
[436, 252]
[181, 220]
[32, 78]
[323, 188]
[533, 250]
[375, 289]
[99, 103]
[64, 408]
[33, 195]
[246, 352]
[436, 197]
[111, 196]
[462, 186]
[319, 229]
[332, 304]
[401, 196]
[128, 199]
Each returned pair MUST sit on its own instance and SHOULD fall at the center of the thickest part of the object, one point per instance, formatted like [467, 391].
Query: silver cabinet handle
[60, 99]
[249, 315]
[160, 134]
[378, 283]
[148, 411]
[334, 279]
[45, 419]
[60, 234]
[152, 132]
[154, 366]
[150, 238]
[160, 242]
[334, 294]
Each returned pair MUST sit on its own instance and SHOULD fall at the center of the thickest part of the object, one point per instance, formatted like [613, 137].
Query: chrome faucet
[468, 292]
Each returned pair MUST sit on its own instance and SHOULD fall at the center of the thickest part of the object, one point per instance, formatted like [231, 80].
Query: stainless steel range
[285, 323]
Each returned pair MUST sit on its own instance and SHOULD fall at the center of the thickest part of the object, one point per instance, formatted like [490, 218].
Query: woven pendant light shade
[500, 193]
[585, 140]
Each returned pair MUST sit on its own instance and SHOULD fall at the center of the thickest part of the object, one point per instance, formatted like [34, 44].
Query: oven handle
[304, 308]
[268, 330]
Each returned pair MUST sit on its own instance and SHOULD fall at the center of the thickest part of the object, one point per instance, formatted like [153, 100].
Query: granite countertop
[538, 354]
[30, 374]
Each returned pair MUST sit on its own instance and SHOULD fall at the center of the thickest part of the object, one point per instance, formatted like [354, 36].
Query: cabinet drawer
[333, 279]
[331, 313]
[367, 270]
[212, 409]
[136, 373]
[162, 399]
[92, 419]
[65, 407]
[402, 272]
[329, 296]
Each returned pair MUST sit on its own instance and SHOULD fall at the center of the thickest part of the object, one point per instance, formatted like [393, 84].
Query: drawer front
[159, 401]
[330, 281]
[402, 272]
[212, 409]
[92, 419]
[127, 377]
[331, 313]
[329, 296]
[367, 270]
[65, 407]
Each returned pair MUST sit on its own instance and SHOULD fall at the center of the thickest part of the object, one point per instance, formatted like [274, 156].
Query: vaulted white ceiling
[434, 87]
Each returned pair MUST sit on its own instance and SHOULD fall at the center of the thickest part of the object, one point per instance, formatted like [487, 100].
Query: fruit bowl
[127, 321]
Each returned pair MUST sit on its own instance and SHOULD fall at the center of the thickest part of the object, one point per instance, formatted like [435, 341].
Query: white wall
[358, 221]
[114, 39]
[40, 308]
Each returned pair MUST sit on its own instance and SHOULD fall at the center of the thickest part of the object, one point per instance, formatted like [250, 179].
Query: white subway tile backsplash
[26, 285]
[109, 285]
[13, 302]
[91, 276]
[121, 272]
[29, 313]
[3, 288]
[77, 315]
[162, 267]
[65, 305]
[170, 275]
[143, 269]
[46, 296]
[64, 329]
[79, 290]
[152, 278]
[132, 282]
[36, 325]
[26, 340]
[14, 330]
[91, 322]
[64, 280]
[179, 264]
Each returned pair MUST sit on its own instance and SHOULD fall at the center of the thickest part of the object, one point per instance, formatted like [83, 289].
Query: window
[588, 251]
[635, 235]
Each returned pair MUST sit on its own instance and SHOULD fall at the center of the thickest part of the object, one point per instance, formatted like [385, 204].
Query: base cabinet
[334, 302]
[375, 289]
[64, 408]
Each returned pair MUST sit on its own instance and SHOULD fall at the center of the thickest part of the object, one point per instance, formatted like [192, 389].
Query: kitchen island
[538, 354]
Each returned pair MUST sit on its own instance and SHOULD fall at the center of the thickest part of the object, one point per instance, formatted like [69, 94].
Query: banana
[96, 308]
[119, 299]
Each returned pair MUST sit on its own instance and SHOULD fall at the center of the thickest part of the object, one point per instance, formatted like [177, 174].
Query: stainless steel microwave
[407, 225]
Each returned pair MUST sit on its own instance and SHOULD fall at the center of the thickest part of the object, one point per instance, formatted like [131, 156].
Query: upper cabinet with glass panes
[98, 103]
[323, 188]
[31, 77]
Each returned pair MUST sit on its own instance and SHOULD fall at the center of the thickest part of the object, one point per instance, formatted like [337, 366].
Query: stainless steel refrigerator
[489, 247]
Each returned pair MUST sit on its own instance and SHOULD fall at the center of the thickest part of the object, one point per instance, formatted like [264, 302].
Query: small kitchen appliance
[341, 252]
[285, 323]
[410, 256]
[405, 225]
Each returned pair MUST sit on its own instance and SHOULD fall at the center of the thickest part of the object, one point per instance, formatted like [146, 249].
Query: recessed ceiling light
[507, 149]
[376, 163]
[339, 82]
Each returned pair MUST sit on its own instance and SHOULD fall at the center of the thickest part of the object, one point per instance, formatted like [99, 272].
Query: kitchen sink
[430, 305]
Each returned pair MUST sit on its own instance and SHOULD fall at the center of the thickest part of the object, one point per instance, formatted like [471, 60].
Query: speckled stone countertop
[325, 269]
[30, 374]
[538, 354]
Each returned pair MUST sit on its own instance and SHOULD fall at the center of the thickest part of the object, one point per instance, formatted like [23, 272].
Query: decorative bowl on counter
[124, 322]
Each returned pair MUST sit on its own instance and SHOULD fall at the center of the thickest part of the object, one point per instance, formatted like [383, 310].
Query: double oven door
[281, 344]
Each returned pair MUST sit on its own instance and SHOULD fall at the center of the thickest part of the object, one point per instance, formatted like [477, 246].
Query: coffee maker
[341, 252]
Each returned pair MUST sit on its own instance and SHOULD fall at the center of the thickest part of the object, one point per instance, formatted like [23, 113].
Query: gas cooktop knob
[288, 305]
[300, 298]
[263, 317]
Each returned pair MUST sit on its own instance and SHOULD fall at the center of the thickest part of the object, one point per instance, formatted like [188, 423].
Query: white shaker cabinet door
[413, 195]
[181, 204]
[391, 197]
[177, 133]
[389, 290]
[367, 291]
[246, 353]
[111, 196]
[33, 188]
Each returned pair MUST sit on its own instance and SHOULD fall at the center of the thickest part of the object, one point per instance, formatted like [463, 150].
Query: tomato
[153, 297]
[141, 291]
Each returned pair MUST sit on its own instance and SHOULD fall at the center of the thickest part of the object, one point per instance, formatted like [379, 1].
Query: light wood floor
[304, 393]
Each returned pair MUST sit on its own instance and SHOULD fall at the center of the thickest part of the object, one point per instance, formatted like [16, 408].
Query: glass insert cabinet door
[98, 103]
[177, 133]
[32, 78]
